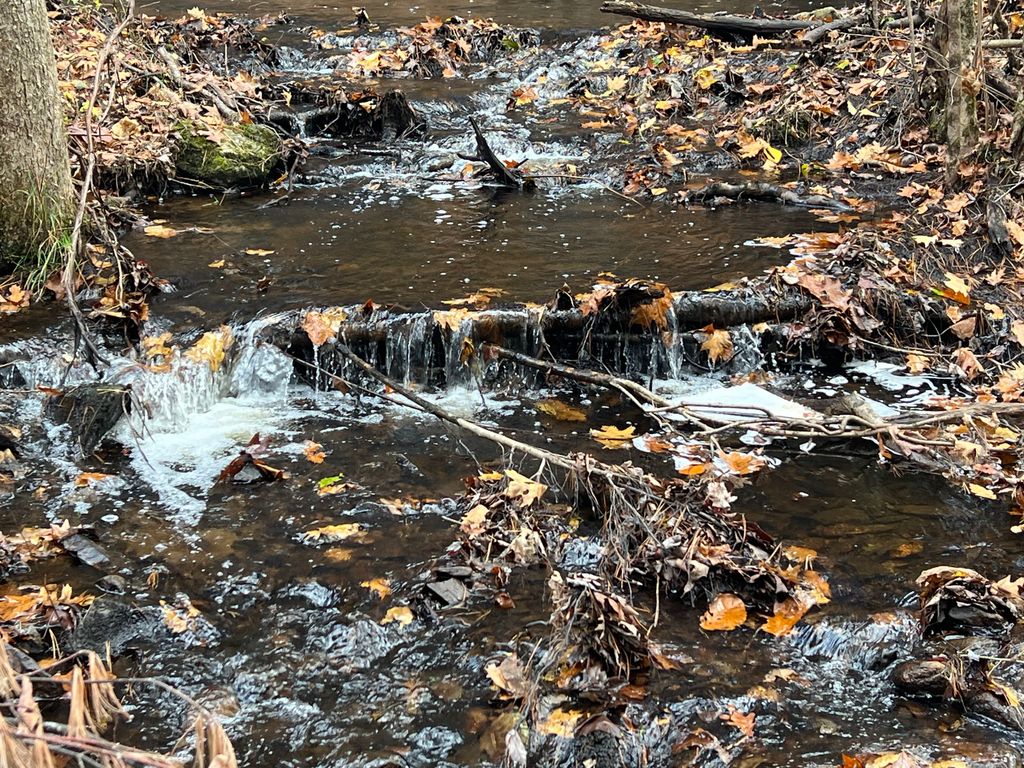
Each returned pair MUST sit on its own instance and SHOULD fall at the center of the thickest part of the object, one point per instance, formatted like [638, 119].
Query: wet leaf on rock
[322, 326]
[400, 614]
[313, 452]
[211, 347]
[381, 587]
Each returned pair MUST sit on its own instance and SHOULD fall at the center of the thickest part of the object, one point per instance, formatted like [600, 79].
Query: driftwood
[505, 176]
[730, 26]
[764, 192]
[816, 35]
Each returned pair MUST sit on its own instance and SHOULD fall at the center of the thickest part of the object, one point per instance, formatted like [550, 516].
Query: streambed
[289, 644]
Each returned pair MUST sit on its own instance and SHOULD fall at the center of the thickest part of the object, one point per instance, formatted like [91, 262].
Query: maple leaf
[521, 489]
[725, 613]
[613, 437]
[743, 721]
[718, 344]
[323, 326]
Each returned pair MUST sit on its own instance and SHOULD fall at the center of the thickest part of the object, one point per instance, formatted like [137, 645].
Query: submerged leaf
[725, 613]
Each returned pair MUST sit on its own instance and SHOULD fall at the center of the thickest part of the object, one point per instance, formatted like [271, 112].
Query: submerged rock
[91, 410]
[108, 620]
[245, 156]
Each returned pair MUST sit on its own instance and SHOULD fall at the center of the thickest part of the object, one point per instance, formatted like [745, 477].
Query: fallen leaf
[981, 491]
[159, 230]
[718, 344]
[523, 490]
[211, 347]
[473, 522]
[88, 478]
[400, 614]
[560, 411]
[381, 586]
[329, 534]
[314, 452]
[613, 437]
[725, 613]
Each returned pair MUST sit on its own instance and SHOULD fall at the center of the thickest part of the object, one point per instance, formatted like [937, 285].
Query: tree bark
[737, 26]
[36, 195]
[956, 40]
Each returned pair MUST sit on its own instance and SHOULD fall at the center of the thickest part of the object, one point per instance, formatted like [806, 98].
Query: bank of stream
[289, 640]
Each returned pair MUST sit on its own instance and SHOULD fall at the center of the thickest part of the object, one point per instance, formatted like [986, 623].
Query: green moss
[246, 155]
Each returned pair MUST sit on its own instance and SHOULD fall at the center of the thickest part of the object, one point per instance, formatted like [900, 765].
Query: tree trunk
[955, 36]
[36, 195]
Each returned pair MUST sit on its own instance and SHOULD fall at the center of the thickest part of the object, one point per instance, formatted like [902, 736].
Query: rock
[86, 550]
[246, 155]
[109, 620]
[112, 584]
[91, 410]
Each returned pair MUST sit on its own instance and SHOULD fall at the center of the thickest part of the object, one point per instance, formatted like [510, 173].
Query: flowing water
[288, 644]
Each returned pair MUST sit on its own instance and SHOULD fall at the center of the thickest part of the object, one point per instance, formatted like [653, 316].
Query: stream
[287, 644]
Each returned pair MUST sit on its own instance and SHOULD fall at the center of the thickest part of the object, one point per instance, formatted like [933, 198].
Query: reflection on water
[548, 14]
[348, 245]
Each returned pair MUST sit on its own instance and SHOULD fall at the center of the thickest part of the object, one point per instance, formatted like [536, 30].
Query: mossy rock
[246, 156]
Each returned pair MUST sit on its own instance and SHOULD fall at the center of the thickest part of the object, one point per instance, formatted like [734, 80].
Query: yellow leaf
[981, 491]
[452, 318]
[257, 252]
[216, 264]
[381, 586]
[211, 347]
[159, 230]
[613, 437]
[561, 722]
[560, 411]
[87, 478]
[705, 78]
[400, 614]
[329, 534]
[616, 83]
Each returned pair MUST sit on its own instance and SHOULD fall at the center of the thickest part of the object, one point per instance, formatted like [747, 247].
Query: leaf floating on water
[382, 587]
[560, 411]
[88, 478]
[400, 614]
[613, 437]
[523, 490]
[725, 613]
[258, 252]
[313, 452]
[744, 721]
[328, 486]
[211, 347]
[160, 230]
[787, 614]
[330, 534]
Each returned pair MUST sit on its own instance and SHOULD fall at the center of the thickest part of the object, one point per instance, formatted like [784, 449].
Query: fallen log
[731, 26]
[764, 192]
[430, 346]
[816, 35]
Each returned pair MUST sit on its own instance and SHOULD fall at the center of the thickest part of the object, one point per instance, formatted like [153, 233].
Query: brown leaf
[718, 344]
[560, 411]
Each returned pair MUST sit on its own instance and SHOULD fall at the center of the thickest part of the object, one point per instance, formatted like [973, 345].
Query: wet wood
[731, 26]
[764, 192]
[505, 176]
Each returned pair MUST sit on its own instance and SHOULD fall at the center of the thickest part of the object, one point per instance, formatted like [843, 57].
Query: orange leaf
[725, 613]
